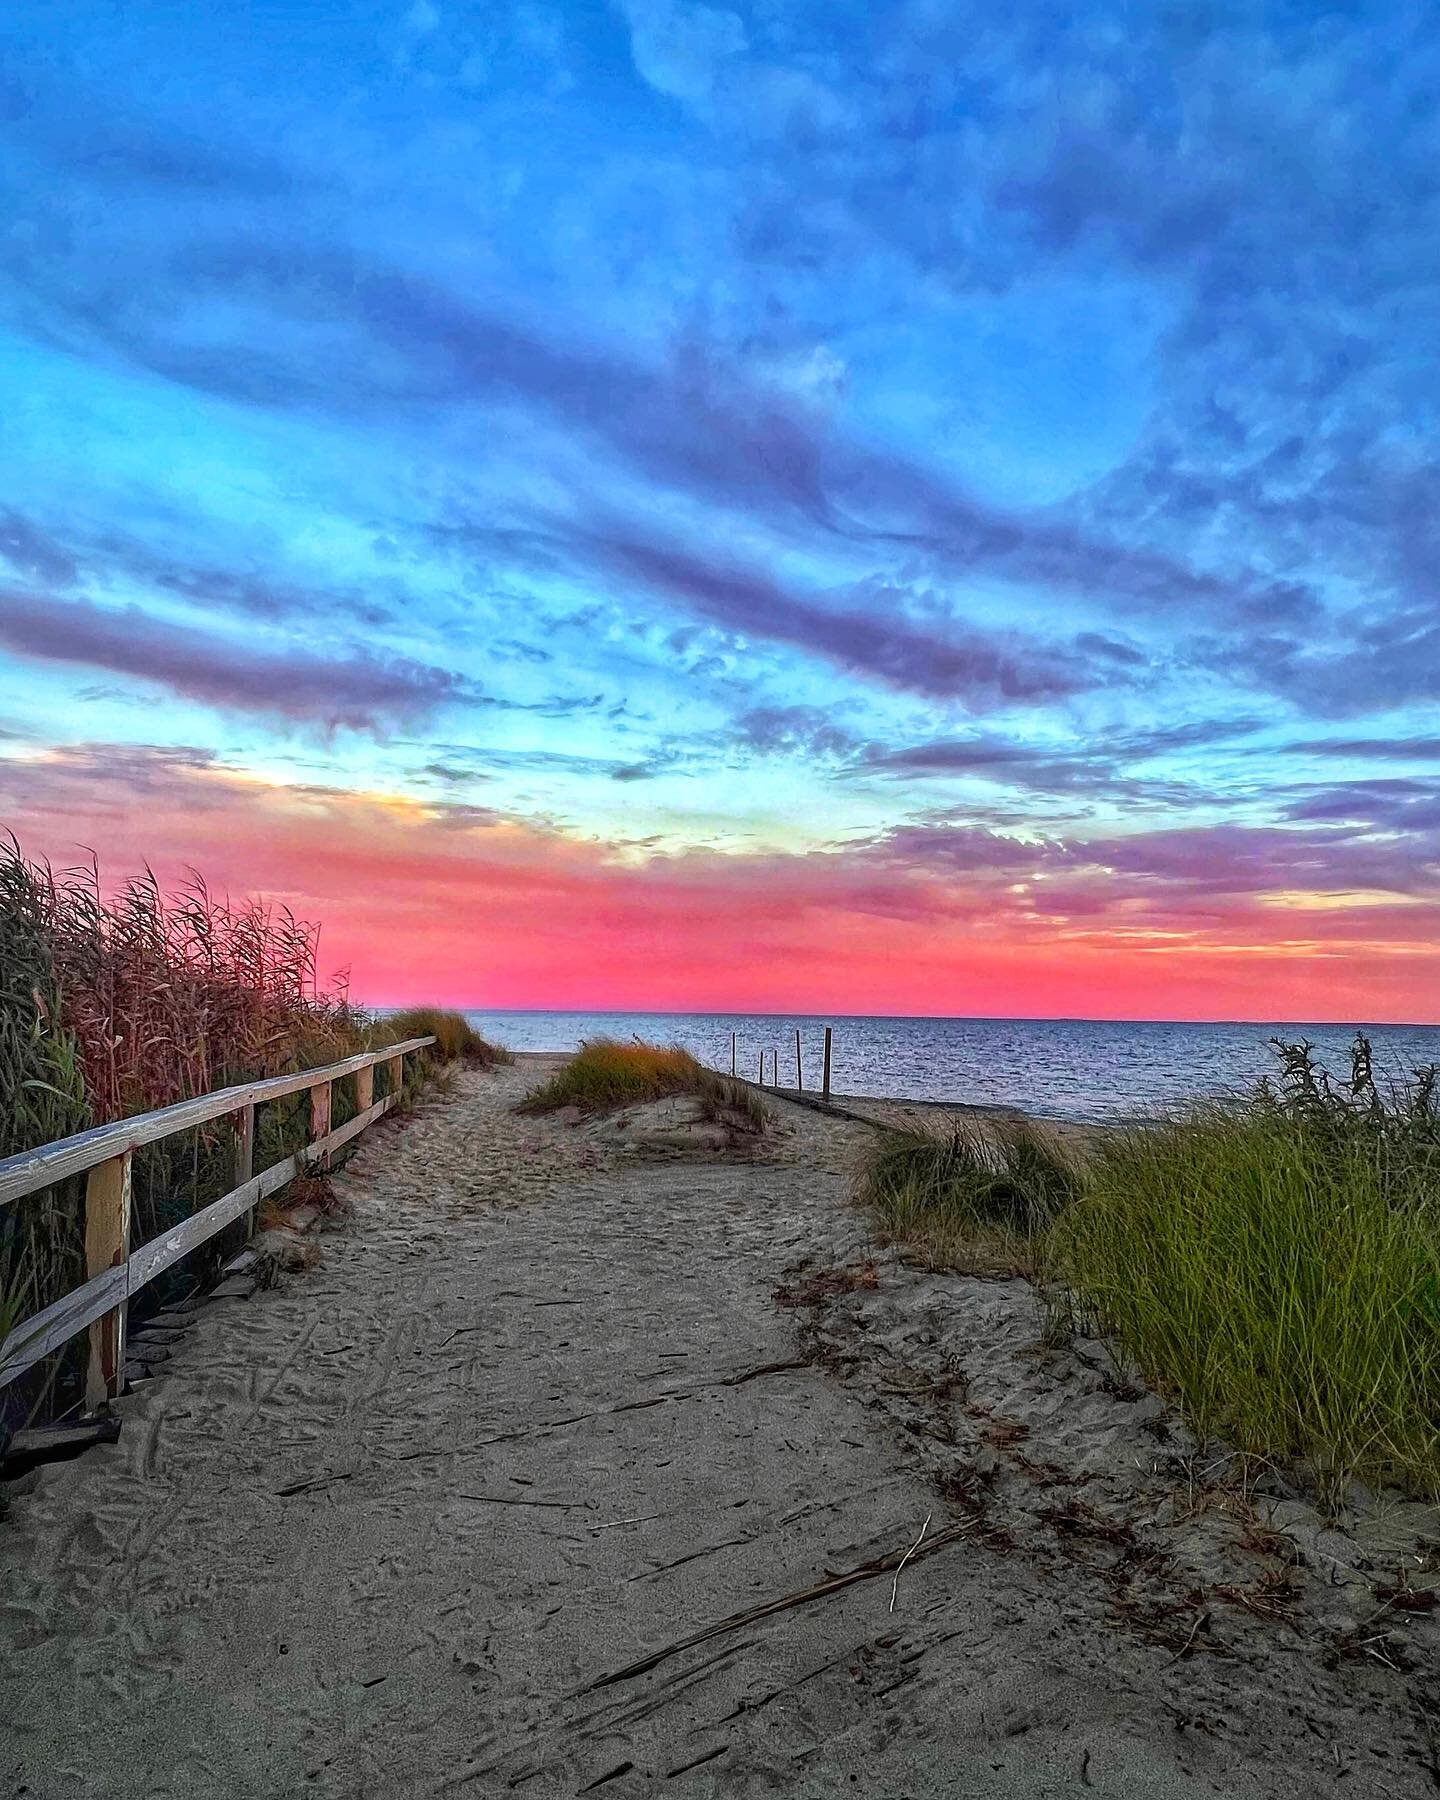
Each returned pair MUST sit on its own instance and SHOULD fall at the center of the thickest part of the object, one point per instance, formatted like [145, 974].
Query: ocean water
[1065, 1068]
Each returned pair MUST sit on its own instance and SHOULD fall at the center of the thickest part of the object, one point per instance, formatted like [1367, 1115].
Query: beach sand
[494, 1499]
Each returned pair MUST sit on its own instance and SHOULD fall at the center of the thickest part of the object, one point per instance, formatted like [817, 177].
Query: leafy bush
[605, 1074]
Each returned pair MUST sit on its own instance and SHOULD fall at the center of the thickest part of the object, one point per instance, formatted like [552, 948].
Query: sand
[450, 1512]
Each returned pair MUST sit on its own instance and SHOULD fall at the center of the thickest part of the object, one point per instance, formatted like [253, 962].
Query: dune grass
[1274, 1266]
[605, 1074]
[973, 1194]
[456, 1039]
[1270, 1263]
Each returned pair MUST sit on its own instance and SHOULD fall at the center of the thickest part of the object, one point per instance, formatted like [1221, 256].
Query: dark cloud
[357, 689]
[1391, 749]
[877, 642]
[793, 730]
[1386, 805]
[1190, 873]
[33, 552]
[1104, 767]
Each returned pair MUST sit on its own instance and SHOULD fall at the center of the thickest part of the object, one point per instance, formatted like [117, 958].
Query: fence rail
[114, 1272]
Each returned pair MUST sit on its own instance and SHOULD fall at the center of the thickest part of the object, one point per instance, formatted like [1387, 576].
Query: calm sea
[1067, 1068]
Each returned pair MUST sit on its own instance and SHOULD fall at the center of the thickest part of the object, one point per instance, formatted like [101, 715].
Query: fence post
[732, 1052]
[245, 1156]
[365, 1088]
[320, 1120]
[762, 1069]
[107, 1244]
[826, 1089]
[396, 1066]
[799, 1066]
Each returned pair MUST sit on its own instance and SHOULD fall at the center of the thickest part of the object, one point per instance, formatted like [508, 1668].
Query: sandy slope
[401, 1526]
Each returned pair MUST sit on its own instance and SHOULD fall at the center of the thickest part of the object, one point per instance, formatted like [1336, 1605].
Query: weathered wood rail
[104, 1155]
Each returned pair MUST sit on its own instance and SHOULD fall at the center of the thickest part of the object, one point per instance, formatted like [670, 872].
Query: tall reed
[119, 1001]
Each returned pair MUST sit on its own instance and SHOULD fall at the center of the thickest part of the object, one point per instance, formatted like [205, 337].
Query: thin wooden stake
[762, 1069]
[732, 1052]
[825, 1090]
[799, 1066]
[107, 1244]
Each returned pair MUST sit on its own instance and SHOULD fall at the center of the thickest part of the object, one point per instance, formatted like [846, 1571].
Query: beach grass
[605, 1074]
[1271, 1262]
[975, 1194]
[1279, 1279]
[456, 1039]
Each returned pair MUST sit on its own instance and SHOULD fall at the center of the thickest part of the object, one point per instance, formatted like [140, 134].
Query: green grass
[1271, 1263]
[973, 1194]
[605, 1075]
[1278, 1279]
[456, 1040]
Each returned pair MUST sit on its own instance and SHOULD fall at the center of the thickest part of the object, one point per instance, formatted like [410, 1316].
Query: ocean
[1064, 1068]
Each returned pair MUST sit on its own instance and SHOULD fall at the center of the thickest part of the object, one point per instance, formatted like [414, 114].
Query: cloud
[33, 552]
[333, 331]
[1416, 748]
[793, 731]
[870, 637]
[1104, 768]
[356, 690]
[681, 49]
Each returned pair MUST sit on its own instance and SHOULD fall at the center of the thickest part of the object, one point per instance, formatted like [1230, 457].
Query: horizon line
[648, 1012]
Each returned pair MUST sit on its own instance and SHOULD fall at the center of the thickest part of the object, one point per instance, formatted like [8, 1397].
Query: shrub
[605, 1074]
[974, 1192]
[1274, 1265]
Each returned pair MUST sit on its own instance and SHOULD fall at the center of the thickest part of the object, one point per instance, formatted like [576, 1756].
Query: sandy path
[388, 1529]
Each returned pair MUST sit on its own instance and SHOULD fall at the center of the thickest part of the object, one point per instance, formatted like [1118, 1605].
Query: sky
[906, 508]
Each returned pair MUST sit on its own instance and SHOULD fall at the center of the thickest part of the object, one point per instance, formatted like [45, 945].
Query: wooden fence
[774, 1082]
[114, 1271]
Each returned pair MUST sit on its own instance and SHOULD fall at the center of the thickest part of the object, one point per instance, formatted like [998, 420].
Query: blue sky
[852, 451]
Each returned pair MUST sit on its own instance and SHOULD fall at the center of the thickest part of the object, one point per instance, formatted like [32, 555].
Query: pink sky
[428, 903]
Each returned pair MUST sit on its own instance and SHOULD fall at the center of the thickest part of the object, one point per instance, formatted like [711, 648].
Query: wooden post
[245, 1157]
[826, 1089]
[365, 1088]
[396, 1066]
[107, 1244]
[244, 1144]
[775, 1068]
[762, 1068]
[732, 1052]
[799, 1066]
[320, 1120]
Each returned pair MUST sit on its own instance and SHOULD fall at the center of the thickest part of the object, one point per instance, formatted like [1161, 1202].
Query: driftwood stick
[895, 1586]
[883, 1565]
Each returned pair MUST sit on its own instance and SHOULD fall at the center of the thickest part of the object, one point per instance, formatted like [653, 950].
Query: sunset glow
[897, 509]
